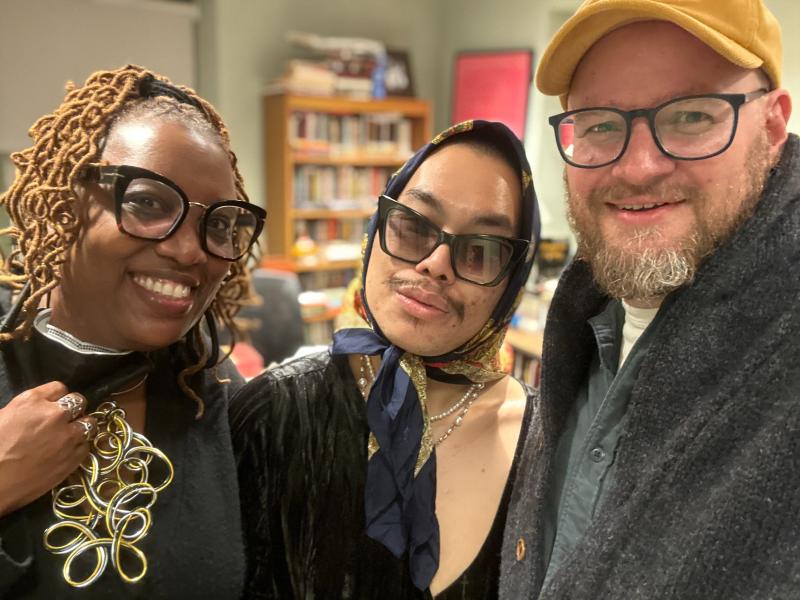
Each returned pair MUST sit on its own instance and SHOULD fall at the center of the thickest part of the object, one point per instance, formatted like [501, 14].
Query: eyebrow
[690, 91]
[493, 219]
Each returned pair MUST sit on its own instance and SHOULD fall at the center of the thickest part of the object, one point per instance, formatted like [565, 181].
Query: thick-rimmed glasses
[149, 206]
[685, 128]
[409, 236]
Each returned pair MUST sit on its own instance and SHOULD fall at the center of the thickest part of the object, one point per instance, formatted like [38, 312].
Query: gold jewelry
[72, 403]
[367, 378]
[108, 512]
[364, 369]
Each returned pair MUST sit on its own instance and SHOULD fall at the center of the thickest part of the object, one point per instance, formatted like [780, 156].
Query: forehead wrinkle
[622, 104]
[493, 219]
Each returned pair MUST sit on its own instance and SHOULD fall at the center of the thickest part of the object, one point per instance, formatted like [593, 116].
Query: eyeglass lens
[476, 259]
[688, 128]
[150, 209]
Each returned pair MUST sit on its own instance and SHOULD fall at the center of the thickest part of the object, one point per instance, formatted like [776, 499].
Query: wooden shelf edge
[410, 107]
[356, 160]
[329, 315]
[329, 213]
[322, 265]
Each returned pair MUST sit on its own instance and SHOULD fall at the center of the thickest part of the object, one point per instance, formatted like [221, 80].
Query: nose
[184, 246]
[438, 265]
[643, 162]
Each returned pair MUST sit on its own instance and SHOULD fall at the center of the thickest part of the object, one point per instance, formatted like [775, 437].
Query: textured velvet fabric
[194, 548]
[705, 501]
[300, 437]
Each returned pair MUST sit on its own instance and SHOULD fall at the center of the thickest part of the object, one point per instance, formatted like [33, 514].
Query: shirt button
[520, 549]
[597, 454]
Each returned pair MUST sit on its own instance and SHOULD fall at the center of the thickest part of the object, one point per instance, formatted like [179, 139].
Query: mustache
[397, 283]
[668, 192]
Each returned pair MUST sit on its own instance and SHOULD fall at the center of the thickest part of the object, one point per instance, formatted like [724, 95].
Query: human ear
[776, 120]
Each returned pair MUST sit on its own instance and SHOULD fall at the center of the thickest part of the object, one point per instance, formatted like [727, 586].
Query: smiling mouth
[163, 287]
[640, 207]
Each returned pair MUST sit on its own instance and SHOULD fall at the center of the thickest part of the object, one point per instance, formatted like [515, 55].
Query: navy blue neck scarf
[400, 492]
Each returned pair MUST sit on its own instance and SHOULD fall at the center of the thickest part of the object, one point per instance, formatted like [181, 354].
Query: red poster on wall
[493, 85]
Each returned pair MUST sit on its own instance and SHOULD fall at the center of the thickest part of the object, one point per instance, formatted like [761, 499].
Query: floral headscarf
[400, 490]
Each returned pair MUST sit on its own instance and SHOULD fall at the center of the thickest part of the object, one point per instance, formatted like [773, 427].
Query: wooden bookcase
[285, 156]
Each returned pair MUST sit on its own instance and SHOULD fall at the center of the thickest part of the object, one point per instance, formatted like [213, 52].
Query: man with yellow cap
[668, 462]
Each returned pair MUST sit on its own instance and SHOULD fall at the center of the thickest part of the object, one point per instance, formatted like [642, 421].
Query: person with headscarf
[130, 231]
[382, 467]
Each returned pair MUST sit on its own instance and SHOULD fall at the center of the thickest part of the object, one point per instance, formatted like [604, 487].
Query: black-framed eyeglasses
[685, 128]
[149, 206]
[481, 259]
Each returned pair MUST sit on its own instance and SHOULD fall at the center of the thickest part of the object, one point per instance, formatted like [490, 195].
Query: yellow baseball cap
[744, 32]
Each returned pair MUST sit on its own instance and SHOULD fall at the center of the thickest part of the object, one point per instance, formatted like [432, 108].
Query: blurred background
[240, 55]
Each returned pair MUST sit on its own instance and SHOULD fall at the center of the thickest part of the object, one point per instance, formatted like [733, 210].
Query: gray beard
[637, 271]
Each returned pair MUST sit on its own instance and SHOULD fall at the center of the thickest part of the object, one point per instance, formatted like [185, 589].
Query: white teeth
[164, 287]
[639, 206]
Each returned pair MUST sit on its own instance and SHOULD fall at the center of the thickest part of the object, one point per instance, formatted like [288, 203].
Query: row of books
[329, 134]
[325, 231]
[338, 188]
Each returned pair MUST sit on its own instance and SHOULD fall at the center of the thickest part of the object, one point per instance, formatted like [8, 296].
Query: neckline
[501, 513]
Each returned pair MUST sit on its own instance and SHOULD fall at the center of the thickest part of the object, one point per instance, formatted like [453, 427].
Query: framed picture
[398, 78]
[493, 85]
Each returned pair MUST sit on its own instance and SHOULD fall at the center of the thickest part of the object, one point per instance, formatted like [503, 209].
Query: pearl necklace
[366, 377]
[469, 397]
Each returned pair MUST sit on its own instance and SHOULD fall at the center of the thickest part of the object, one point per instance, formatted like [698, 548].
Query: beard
[641, 267]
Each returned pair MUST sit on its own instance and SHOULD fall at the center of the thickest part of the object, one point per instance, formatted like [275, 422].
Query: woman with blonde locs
[130, 233]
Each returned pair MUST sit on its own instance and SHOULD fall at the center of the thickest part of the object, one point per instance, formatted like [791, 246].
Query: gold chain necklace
[108, 512]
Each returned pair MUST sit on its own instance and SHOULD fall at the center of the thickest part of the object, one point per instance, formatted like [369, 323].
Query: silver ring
[88, 428]
[73, 404]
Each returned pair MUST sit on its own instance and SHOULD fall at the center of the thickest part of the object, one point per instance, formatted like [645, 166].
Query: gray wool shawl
[706, 499]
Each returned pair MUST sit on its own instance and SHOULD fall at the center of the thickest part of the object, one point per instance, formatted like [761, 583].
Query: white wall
[45, 43]
[242, 46]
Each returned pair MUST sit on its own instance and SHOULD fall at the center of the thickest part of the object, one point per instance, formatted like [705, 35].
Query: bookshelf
[326, 161]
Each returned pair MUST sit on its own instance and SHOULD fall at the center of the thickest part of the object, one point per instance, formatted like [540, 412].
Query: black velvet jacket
[300, 437]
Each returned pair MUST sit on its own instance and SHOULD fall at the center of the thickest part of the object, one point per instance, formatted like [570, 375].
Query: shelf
[529, 343]
[344, 160]
[328, 315]
[286, 159]
[324, 265]
[411, 107]
[326, 213]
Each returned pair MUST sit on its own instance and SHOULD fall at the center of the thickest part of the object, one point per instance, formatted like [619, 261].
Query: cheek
[378, 271]
[479, 307]
[580, 181]
[217, 271]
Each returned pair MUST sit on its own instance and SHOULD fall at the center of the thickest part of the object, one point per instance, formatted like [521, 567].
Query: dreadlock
[41, 200]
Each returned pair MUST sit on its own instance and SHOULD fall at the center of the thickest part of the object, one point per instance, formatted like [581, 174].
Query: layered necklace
[104, 511]
[462, 405]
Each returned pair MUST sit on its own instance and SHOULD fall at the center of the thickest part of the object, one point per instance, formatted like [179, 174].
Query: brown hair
[41, 200]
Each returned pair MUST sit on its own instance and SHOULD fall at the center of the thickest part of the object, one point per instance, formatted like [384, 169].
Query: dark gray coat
[706, 500]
